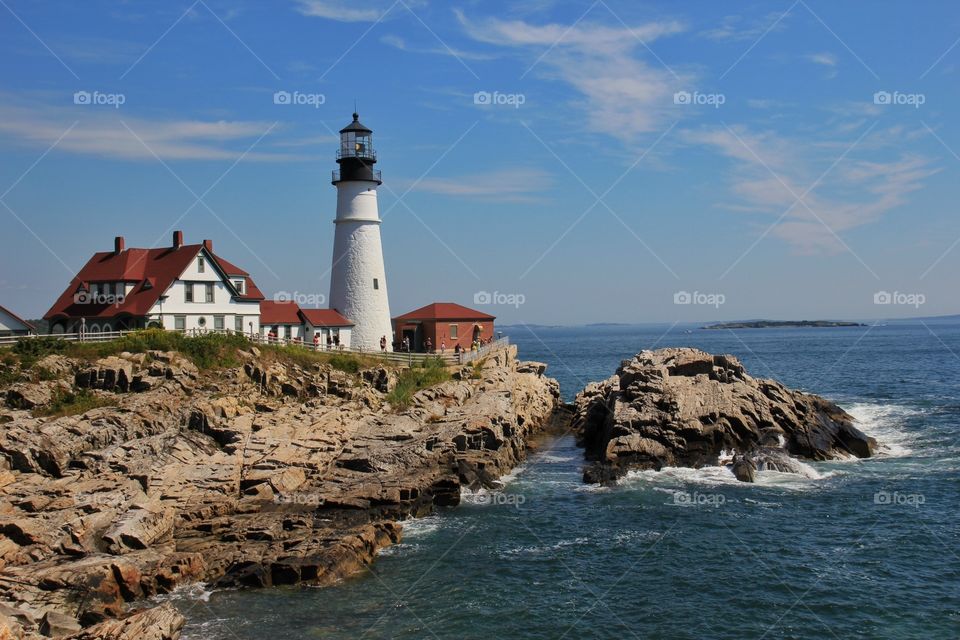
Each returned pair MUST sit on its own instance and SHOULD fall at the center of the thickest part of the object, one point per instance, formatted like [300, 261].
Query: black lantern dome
[356, 155]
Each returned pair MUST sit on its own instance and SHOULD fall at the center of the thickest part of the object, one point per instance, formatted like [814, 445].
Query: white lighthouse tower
[358, 282]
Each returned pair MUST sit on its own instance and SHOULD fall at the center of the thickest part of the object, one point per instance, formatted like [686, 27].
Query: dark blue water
[845, 550]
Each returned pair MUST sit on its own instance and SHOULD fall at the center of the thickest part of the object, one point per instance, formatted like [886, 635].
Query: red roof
[28, 325]
[152, 271]
[279, 312]
[445, 311]
[325, 318]
[290, 313]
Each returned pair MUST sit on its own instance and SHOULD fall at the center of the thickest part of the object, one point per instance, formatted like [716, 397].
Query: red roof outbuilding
[445, 311]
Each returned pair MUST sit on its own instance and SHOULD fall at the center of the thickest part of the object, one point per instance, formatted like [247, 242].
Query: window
[238, 284]
[376, 284]
[453, 332]
[201, 321]
[209, 292]
[218, 323]
[238, 324]
[287, 332]
[201, 264]
[180, 323]
[188, 292]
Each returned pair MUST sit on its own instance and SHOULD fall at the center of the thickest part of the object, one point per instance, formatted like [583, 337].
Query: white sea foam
[544, 548]
[420, 527]
[673, 480]
[550, 459]
[191, 591]
[885, 423]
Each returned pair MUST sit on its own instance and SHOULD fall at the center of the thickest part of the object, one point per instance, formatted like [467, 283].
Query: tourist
[329, 342]
[383, 344]
[406, 344]
[316, 342]
[429, 345]
[443, 346]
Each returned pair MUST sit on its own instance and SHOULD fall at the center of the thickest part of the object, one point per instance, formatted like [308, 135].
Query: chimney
[118, 244]
[177, 239]
[208, 245]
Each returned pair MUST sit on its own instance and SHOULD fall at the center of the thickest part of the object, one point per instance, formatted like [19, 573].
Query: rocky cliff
[267, 474]
[685, 407]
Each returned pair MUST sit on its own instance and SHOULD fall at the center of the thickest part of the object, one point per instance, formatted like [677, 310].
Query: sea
[843, 549]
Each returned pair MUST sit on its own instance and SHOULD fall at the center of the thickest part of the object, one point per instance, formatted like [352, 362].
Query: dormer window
[238, 284]
[201, 264]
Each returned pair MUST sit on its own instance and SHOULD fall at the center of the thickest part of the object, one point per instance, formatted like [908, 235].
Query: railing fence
[449, 357]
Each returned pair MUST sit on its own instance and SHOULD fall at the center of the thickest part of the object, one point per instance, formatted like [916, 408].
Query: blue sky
[628, 152]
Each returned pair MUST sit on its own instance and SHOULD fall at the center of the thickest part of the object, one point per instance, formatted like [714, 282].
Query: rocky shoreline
[689, 408]
[271, 473]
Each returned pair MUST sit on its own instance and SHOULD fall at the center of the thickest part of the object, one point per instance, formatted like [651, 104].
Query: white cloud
[518, 184]
[341, 10]
[624, 89]
[735, 28]
[824, 58]
[100, 131]
[772, 170]
[399, 43]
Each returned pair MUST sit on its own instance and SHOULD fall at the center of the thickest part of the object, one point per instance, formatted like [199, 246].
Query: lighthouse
[358, 282]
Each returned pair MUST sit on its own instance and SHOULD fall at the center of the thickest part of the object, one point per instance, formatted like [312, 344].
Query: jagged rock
[159, 623]
[145, 523]
[683, 407]
[57, 625]
[219, 477]
[538, 368]
[744, 469]
[56, 365]
[110, 374]
[29, 396]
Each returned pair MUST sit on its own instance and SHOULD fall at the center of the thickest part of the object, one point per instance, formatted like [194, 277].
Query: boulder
[57, 625]
[684, 407]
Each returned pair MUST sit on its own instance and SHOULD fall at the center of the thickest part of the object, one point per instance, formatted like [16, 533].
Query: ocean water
[848, 549]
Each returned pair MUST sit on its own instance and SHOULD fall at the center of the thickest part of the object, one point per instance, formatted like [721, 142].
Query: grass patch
[476, 369]
[208, 351]
[347, 362]
[421, 375]
[29, 350]
[70, 403]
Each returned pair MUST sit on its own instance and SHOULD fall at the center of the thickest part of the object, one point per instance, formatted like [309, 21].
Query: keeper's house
[182, 287]
[13, 325]
[443, 323]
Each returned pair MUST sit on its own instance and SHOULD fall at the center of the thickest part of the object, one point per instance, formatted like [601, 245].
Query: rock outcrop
[685, 407]
[270, 473]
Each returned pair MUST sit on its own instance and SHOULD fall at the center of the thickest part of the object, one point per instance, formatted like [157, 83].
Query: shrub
[347, 362]
[207, 351]
[70, 403]
[29, 350]
[421, 375]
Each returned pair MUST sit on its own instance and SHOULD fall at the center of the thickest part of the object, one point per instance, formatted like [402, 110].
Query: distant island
[768, 324]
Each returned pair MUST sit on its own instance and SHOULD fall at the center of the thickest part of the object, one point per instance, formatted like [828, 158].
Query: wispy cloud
[824, 58]
[736, 28]
[347, 11]
[101, 132]
[770, 170]
[518, 184]
[624, 89]
[399, 43]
